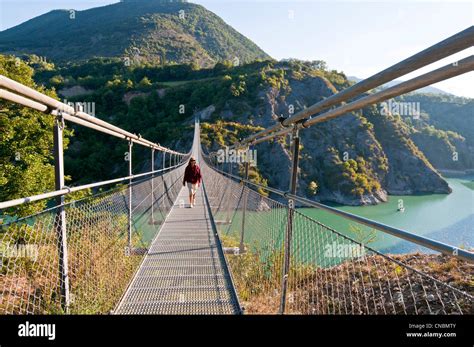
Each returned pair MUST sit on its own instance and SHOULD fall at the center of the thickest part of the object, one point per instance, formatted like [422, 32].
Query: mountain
[154, 31]
[425, 90]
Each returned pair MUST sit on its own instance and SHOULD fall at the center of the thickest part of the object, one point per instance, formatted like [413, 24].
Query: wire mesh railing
[100, 261]
[329, 272]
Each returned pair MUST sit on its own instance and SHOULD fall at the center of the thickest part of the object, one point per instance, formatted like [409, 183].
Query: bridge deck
[184, 271]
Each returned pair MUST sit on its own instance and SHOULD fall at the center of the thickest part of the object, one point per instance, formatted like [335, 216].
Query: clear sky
[357, 37]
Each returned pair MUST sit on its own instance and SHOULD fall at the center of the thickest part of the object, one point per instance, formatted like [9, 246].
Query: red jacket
[192, 174]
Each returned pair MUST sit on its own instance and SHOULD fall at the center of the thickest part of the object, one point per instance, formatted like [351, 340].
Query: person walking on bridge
[192, 177]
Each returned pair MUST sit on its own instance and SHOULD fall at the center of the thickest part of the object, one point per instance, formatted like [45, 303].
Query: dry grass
[374, 285]
[99, 269]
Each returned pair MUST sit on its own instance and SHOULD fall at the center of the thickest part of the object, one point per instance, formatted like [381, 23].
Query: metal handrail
[68, 190]
[403, 234]
[29, 97]
[443, 49]
[26, 96]
[448, 71]
[445, 72]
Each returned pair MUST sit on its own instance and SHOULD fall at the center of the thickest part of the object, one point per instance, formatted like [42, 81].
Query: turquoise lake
[448, 218]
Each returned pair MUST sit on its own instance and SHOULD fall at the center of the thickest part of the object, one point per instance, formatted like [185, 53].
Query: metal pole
[61, 212]
[244, 208]
[68, 190]
[164, 160]
[289, 227]
[229, 201]
[130, 148]
[152, 186]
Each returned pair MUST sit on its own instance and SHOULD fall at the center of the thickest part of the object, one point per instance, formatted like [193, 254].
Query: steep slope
[424, 90]
[143, 30]
[444, 130]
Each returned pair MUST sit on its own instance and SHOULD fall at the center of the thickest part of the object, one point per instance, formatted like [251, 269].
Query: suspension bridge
[135, 248]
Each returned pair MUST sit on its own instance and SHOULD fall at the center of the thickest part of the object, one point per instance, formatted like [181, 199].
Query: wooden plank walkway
[184, 271]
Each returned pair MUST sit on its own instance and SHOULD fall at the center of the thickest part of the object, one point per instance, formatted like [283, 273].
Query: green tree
[26, 143]
[145, 83]
[312, 188]
[56, 80]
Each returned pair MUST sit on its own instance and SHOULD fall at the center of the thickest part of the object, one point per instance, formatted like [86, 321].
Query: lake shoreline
[446, 218]
[447, 174]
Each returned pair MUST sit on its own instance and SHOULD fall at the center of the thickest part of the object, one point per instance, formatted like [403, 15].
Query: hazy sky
[357, 37]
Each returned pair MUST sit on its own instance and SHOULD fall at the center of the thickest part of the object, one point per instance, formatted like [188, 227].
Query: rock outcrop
[355, 159]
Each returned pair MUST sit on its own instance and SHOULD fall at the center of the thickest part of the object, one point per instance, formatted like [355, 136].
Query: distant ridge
[149, 30]
[428, 89]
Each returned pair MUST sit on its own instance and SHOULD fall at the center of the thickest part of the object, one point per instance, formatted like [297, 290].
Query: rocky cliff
[355, 159]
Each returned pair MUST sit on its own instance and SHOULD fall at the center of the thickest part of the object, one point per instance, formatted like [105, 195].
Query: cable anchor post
[291, 209]
[60, 225]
